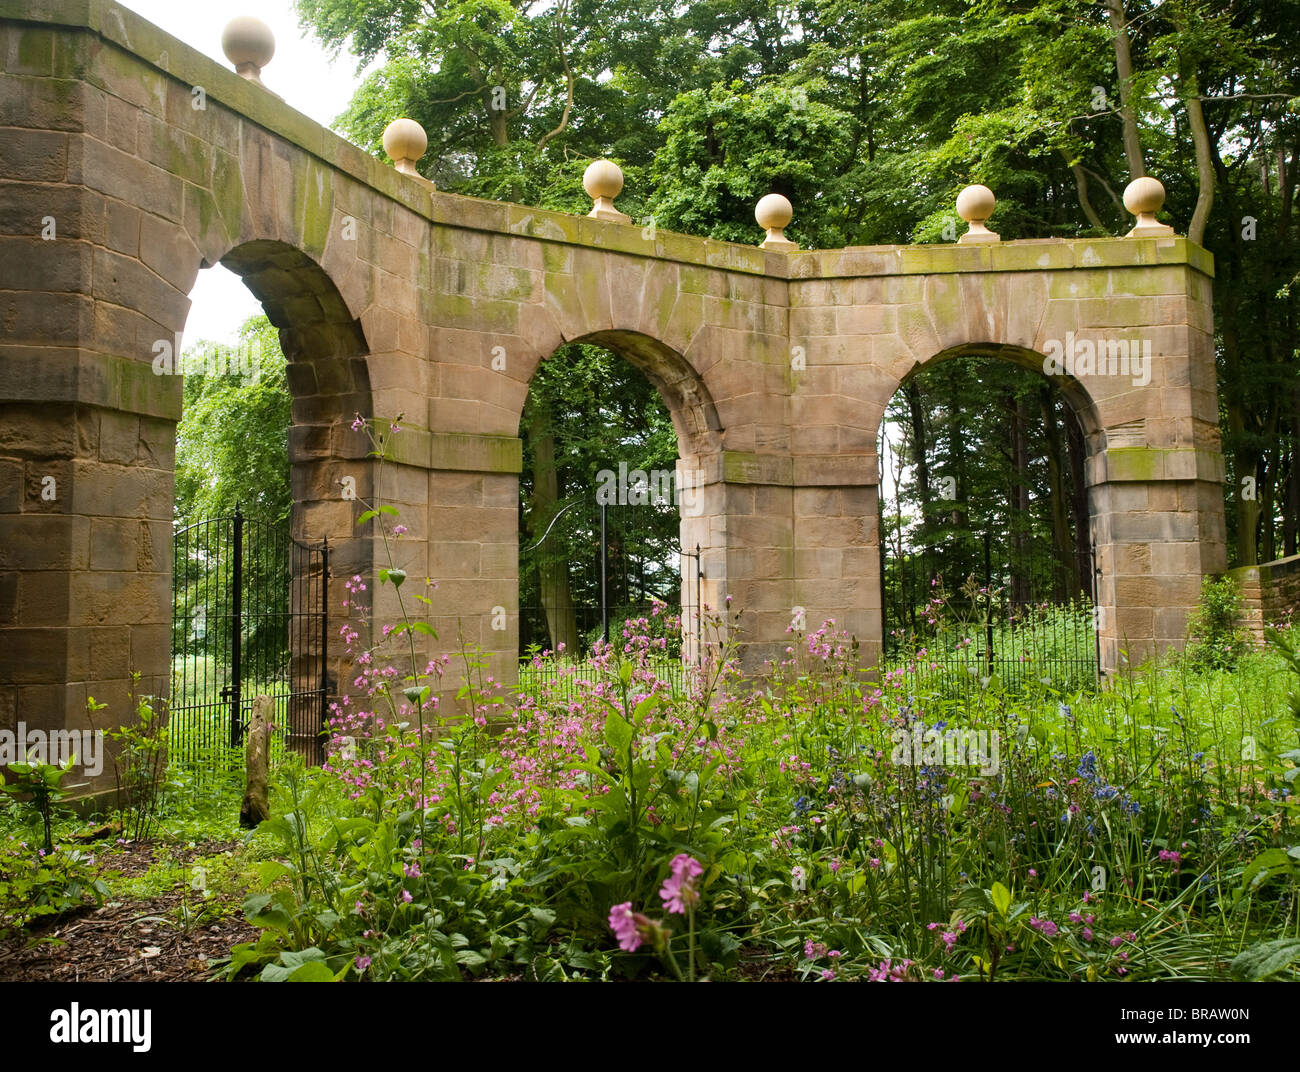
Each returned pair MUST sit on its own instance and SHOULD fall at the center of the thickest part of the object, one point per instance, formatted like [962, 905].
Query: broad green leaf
[1265, 959]
[314, 971]
[618, 733]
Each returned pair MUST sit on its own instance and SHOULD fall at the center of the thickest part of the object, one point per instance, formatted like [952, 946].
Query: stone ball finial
[1144, 197]
[603, 181]
[405, 142]
[249, 44]
[774, 213]
[975, 204]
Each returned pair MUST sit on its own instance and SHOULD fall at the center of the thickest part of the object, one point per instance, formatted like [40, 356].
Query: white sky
[301, 72]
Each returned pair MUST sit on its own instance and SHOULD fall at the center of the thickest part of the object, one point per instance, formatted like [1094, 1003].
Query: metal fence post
[324, 639]
[237, 634]
[699, 606]
[988, 605]
[604, 570]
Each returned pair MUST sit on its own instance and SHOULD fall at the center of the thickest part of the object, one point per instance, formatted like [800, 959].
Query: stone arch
[695, 419]
[327, 356]
[1082, 409]
[1074, 392]
[689, 401]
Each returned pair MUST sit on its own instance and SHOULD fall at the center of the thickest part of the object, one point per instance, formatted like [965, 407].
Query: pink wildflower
[622, 921]
[678, 891]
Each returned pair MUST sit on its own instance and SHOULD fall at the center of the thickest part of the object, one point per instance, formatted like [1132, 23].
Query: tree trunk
[552, 566]
[1291, 515]
[1021, 590]
[1267, 476]
[1065, 549]
[1076, 451]
[921, 457]
[1081, 188]
[1127, 107]
[957, 552]
[1204, 161]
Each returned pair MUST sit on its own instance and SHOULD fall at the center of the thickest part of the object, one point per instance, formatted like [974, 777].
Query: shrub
[1219, 639]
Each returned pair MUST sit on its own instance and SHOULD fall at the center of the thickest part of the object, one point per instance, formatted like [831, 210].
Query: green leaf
[314, 971]
[367, 515]
[1001, 898]
[1268, 864]
[618, 733]
[648, 704]
[1265, 959]
[471, 958]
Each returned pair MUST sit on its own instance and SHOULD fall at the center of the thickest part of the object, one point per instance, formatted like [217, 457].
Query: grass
[1158, 806]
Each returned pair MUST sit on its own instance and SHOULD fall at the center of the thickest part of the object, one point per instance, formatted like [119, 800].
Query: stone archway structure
[393, 298]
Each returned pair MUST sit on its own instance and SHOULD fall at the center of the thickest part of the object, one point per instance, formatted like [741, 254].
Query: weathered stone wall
[392, 298]
[1270, 593]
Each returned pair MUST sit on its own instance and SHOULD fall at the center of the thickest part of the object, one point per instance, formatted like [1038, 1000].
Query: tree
[232, 442]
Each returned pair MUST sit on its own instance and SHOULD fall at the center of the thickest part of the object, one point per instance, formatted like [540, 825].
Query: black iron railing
[249, 618]
[595, 567]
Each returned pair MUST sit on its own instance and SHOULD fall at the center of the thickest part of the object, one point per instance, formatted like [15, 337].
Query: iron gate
[973, 618]
[596, 566]
[249, 618]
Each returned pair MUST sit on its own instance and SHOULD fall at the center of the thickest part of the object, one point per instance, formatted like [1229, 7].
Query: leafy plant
[139, 760]
[41, 784]
[36, 884]
[1220, 640]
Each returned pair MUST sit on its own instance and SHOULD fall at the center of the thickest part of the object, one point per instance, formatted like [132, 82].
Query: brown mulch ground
[128, 939]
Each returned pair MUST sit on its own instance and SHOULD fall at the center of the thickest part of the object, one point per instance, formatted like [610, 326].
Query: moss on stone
[228, 193]
[35, 51]
[314, 206]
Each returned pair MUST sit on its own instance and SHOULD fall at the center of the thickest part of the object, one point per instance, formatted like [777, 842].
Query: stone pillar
[86, 429]
[470, 530]
[837, 562]
[1155, 535]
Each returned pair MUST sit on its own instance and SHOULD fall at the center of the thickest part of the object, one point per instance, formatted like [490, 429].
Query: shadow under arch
[323, 343]
[689, 402]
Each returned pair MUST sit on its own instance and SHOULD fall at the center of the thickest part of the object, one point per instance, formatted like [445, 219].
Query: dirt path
[172, 936]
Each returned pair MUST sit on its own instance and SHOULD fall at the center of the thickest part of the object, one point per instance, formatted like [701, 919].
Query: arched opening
[987, 543]
[614, 428]
[266, 475]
